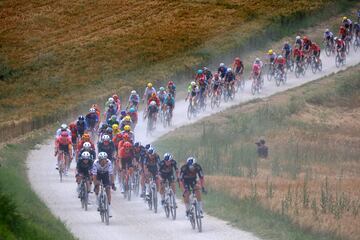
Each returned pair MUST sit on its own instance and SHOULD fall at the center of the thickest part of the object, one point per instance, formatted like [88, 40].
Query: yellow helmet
[149, 85]
[344, 18]
[127, 128]
[115, 126]
[270, 51]
[127, 118]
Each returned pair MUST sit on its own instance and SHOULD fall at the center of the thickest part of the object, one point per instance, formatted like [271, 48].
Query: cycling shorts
[64, 148]
[126, 163]
[104, 178]
[167, 177]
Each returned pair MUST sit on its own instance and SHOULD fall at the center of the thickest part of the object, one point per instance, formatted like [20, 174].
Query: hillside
[53, 53]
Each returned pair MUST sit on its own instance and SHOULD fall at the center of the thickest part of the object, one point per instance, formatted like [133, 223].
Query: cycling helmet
[72, 125]
[105, 138]
[64, 134]
[193, 83]
[199, 71]
[190, 161]
[102, 155]
[133, 92]
[147, 146]
[86, 136]
[169, 95]
[270, 52]
[127, 145]
[85, 155]
[170, 83]
[115, 127]
[109, 130]
[127, 118]
[123, 113]
[113, 117]
[92, 110]
[111, 99]
[162, 89]
[132, 110]
[152, 103]
[63, 127]
[87, 145]
[222, 64]
[127, 128]
[111, 105]
[335, 38]
[81, 118]
[115, 97]
[167, 156]
[149, 85]
[229, 70]
[280, 57]
[151, 150]
[153, 95]
[257, 60]
[344, 18]
[298, 37]
[137, 144]
[126, 136]
[327, 30]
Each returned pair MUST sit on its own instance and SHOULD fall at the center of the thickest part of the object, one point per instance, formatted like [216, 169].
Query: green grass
[22, 214]
[251, 216]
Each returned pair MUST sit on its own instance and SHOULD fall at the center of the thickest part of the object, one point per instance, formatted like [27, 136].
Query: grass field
[22, 214]
[53, 53]
[312, 174]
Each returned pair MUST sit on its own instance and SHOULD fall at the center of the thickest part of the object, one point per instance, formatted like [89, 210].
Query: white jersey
[97, 168]
[328, 34]
[149, 91]
[58, 132]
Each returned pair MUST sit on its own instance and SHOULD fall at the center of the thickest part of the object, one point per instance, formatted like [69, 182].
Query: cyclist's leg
[198, 196]
[186, 196]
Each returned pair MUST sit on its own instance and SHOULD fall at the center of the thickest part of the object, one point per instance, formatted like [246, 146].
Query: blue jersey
[169, 102]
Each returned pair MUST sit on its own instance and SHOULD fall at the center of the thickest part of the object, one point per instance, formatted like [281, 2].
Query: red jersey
[281, 61]
[63, 141]
[156, 99]
[134, 117]
[256, 69]
[126, 154]
[117, 138]
[315, 48]
[298, 53]
[73, 130]
[342, 31]
[200, 78]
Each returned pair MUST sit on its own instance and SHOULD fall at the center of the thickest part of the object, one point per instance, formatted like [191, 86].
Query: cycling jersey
[172, 89]
[156, 99]
[84, 169]
[102, 173]
[126, 158]
[153, 109]
[229, 77]
[281, 61]
[189, 176]
[91, 119]
[222, 71]
[81, 126]
[148, 92]
[328, 35]
[201, 79]
[109, 148]
[239, 66]
[58, 132]
[169, 101]
[272, 57]
[134, 98]
[162, 96]
[256, 69]
[167, 170]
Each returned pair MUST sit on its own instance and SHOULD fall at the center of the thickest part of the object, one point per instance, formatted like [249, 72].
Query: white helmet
[92, 110]
[152, 103]
[222, 64]
[85, 155]
[335, 38]
[190, 161]
[133, 92]
[257, 60]
[102, 155]
[280, 57]
[193, 83]
[87, 145]
[297, 37]
[105, 138]
[63, 126]
[111, 100]
[229, 69]
[327, 30]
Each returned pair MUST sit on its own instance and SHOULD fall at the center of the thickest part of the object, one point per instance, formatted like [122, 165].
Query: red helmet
[64, 134]
[72, 125]
[127, 145]
[170, 83]
[119, 135]
[125, 136]
[115, 97]
[153, 94]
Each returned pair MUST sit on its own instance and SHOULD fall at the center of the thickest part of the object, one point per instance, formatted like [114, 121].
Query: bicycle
[150, 125]
[195, 216]
[167, 117]
[280, 77]
[356, 44]
[128, 185]
[192, 109]
[339, 60]
[136, 181]
[299, 70]
[289, 63]
[170, 201]
[347, 44]
[316, 65]
[256, 84]
[229, 93]
[152, 199]
[84, 193]
[216, 98]
[270, 72]
[103, 205]
[329, 47]
[202, 100]
[62, 157]
[239, 82]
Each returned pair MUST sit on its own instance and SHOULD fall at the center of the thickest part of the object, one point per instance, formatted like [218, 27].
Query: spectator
[262, 149]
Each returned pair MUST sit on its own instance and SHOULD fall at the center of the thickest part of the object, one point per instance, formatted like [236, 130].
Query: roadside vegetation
[311, 177]
[53, 54]
[22, 214]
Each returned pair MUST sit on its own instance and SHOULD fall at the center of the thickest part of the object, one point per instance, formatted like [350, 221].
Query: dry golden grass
[59, 51]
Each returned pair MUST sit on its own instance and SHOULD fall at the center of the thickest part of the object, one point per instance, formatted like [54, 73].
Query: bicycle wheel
[320, 66]
[198, 218]
[297, 71]
[242, 84]
[213, 101]
[155, 201]
[337, 61]
[102, 207]
[284, 78]
[327, 50]
[167, 207]
[189, 111]
[278, 79]
[61, 167]
[226, 95]
[106, 209]
[149, 200]
[253, 88]
[218, 100]
[356, 45]
[192, 218]
[172, 201]
[313, 67]
[129, 188]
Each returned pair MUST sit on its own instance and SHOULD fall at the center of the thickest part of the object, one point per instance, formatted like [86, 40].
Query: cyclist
[91, 119]
[238, 66]
[188, 178]
[63, 128]
[286, 51]
[86, 147]
[299, 57]
[154, 98]
[149, 90]
[152, 111]
[111, 111]
[222, 70]
[328, 37]
[102, 129]
[216, 84]
[280, 64]
[229, 79]
[133, 116]
[85, 138]
[152, 160]
[109, 132]
[117, 102]
[80, 126]
[347, 23]
[316, 51]
[202, 83]
[127, 130]
[306, 45]
[126, 121]
[126, 156]
[134, 100]
[256, 72]
[140, 154]
[116, 139]
[83, 168]
[271, 56]
[63, 143]
[112, 120]
[298, 42]
[107, 145]
[102, 171]
[170, 102]
[168, 171]
[161, 95]
[171, 88]
[342, 32]
[340, 47]
[193, 92]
